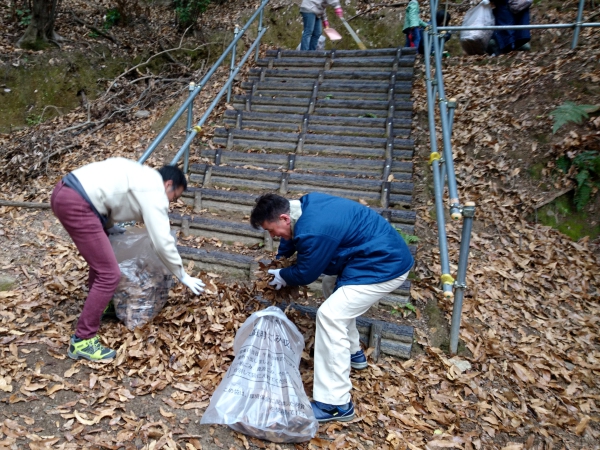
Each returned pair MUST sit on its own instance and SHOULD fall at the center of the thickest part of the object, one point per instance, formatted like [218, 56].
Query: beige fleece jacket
[318, 7]
[124, 190]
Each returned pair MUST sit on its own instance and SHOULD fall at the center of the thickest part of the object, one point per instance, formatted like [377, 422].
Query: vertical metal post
[438, 174]
[188, 127]
[461, 277]
[232, 64]
[430, 94]
[443, 167]
[451, 108]
[446, 133]
[447, 281]
[578, 24]
[260, 27]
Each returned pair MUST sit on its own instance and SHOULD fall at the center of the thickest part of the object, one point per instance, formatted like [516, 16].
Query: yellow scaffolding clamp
[447, 280]
[434, 156]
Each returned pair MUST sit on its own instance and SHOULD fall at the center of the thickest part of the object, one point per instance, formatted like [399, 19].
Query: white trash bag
[262, 394]
[475, 42]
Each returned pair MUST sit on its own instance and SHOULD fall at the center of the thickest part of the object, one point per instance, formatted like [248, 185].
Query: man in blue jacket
[362, 257]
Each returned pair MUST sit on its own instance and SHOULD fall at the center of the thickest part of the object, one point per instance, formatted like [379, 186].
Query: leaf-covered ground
[530, 319]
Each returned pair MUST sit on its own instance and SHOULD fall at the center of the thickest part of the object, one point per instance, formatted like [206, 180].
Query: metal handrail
[225, 88]
[195, 89]
[442, 164]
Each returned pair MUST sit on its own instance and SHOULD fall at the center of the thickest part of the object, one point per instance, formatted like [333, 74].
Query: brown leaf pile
[287, 294]
[531, 311]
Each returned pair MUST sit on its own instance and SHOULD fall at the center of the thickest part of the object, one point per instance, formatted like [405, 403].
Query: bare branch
[154, 56]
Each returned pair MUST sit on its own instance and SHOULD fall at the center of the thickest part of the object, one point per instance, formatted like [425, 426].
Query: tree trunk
[41, 27]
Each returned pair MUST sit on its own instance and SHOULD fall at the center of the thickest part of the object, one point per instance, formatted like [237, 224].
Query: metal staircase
[331, 121]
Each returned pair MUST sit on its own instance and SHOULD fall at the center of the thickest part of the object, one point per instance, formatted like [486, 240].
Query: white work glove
[278, 281]
[116, 229]
[195, 284]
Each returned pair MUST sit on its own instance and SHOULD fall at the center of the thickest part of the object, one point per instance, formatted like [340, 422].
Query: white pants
[337, 337]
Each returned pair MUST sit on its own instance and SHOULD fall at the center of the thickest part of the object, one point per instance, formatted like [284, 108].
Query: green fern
[408, 238]
[570, 112]
[589, 160]
[584, 190]
[563, 163]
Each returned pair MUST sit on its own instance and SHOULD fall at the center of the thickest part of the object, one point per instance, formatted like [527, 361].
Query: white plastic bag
[475, 42]
[145, 280]
[262, 394]
[320, 44]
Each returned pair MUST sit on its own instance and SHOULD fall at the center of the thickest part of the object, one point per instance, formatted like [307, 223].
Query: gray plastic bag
[262, 394]
[475, 42]
[145, 280]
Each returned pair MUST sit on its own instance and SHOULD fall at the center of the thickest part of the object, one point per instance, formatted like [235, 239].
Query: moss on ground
[51, 82]
[561, 215]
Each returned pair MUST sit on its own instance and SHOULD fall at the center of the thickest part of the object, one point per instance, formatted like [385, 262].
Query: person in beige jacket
[314, 18]
[87, 202]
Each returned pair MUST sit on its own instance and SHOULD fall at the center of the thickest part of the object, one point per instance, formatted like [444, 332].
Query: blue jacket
[336, 236]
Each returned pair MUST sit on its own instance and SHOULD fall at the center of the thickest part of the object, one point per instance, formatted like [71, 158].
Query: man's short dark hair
[268, 209]
[174, 174]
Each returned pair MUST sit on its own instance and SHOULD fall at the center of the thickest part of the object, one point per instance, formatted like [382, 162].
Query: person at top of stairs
[413, 24]
[505, 41]
[362, 257]
[87, 202]
[313, 14]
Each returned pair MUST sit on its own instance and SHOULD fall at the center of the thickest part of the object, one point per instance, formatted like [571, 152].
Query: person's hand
[278, 281]
[326, 23]
[195, 284]
[115, 229]
[339, 12]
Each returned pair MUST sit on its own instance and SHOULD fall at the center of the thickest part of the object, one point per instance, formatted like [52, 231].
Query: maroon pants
[86, 230]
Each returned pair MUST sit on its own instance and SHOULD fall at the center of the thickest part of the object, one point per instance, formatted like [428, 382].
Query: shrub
[188, 11]
[586, 173]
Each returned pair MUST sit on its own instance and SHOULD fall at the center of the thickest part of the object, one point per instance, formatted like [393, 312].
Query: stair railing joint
[197, 201]
[291, 161]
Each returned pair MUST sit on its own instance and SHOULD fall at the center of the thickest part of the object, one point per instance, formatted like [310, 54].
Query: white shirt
[124, 190]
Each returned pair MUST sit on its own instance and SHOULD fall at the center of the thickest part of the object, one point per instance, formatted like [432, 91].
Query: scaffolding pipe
[447, 150]
[168, 126]
[577, 24]
[446, 278]
[260, 28]
[216, 100]
[430, 94]
[188, 128]
[201, 85]
[461, 277]
[438, 180]
[232, 63]
[535, 26]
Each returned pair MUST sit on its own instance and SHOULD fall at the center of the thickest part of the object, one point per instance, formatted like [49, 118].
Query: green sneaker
[90, 349]
[109, 312]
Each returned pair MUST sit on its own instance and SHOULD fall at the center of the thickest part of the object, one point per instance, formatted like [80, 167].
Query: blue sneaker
[327, 413]
[358, 361]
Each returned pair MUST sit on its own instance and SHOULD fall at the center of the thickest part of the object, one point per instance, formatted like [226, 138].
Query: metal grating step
[230, 231]
[266, 74]
[362, 168]
[282, 53]
[329, 87]
[230, 202]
